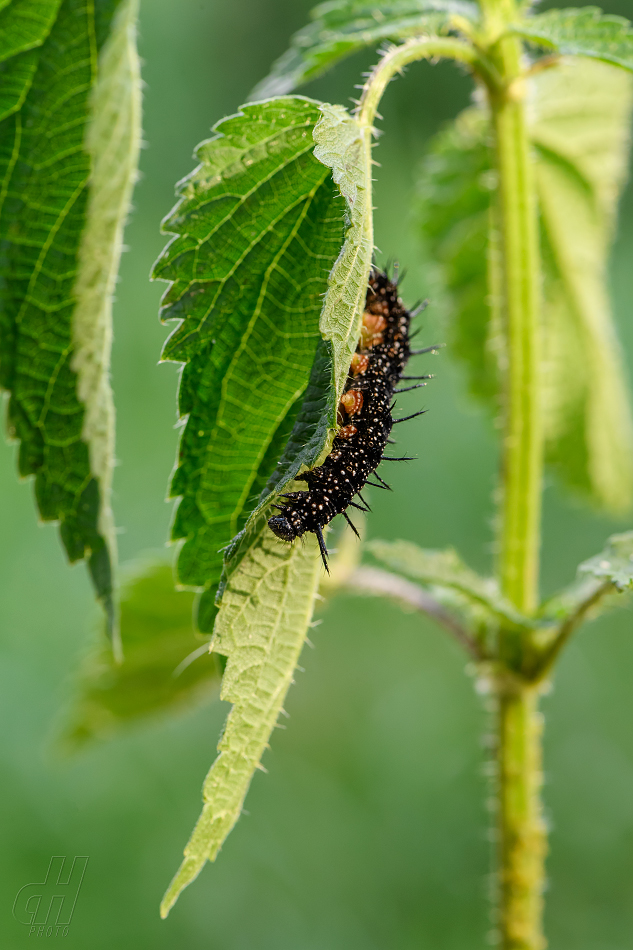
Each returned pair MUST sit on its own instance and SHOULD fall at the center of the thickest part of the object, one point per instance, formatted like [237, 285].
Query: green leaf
[166, 666]
[615, 563]
[580, 130]
[445, 571]
[583, 32]
[341, 28]
[580, 112]
[261, 627]
[259, 224]
[69, 143]
[455, 186]
[344, 146]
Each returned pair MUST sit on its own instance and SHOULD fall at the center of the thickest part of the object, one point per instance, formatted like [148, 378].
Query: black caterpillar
[364, 416]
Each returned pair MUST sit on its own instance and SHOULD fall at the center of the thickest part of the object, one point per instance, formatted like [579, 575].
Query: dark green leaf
[68, 152]
[583, 32]
[344, 147]
[340, 28]
[165, 667]
[259, 225]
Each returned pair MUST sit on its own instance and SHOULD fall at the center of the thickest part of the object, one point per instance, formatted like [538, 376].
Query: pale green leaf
[615, 563]
[342, 27]
[68, 152]
[581, 32]
[259, 224]
[261, 627]
[166, 667]
[445, 571]
[580, 129]
[579, 116]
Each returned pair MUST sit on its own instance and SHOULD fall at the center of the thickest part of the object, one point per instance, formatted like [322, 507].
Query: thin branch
[372, 580]
[568, 626]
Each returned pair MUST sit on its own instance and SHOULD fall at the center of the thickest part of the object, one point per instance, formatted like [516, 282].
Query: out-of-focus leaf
[261, 627]
[580, 130]
[259, 225]
[581, 32]
[579, 125]
[455, 187]
[615, 563]
[165, 665]
[342, 27]
[445, 570]
[69, 140]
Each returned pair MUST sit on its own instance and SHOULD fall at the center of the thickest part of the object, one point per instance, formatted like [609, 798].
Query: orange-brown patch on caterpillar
[371, 329]
[347, 432]
[352, 401]
[360, 362]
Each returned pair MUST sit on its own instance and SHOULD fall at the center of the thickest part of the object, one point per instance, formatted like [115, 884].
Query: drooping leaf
[580, 114]
[580, 130]
[261, 627]
[69, 143]
[342, 27]
[445, 571]
[455, 186]
[581, 32]
[165, 666]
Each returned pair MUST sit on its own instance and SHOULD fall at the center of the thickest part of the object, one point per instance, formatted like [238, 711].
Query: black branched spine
[364, 416]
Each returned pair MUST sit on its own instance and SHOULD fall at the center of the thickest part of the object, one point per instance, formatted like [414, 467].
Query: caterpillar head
[281, 526]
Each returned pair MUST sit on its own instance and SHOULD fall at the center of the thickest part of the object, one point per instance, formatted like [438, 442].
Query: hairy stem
[522, 835]
[522, 832]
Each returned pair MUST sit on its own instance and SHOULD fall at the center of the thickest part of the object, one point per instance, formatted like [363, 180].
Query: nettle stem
[522, 837]
[522, 844]
[522, 833]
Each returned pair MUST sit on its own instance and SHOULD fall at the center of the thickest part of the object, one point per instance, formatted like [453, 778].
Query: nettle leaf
[455, 186]
[579, 127]
[615, 563]
[165, 667]
[445, 571]
[259, 225]
[583, 32]
[580, 130]
[261, 627]
[341, 28]
[69, 141]
[345, 147]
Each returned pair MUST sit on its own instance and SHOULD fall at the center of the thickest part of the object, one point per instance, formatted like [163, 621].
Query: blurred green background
[370, 830]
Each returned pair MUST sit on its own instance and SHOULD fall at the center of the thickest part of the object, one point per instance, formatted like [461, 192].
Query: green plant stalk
[522, 833]
[523, 836]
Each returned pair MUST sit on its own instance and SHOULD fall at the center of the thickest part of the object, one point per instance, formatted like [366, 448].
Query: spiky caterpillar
[364, 416]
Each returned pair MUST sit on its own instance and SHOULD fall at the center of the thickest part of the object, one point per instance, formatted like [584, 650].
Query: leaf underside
[261, 627]
[582, 32]
[165, 667]
[66, 183]
[614, 564]
[341, 28]
[579, 127]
